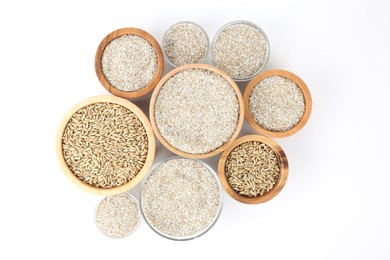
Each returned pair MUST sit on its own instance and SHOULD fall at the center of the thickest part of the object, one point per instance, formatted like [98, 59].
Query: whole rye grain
[105, 145]
[252, 169]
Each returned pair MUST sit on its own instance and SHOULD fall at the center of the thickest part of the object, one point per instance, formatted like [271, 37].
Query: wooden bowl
[302, 86]
[98, 66]
[151, 145]
[283, 165]
[161, 84]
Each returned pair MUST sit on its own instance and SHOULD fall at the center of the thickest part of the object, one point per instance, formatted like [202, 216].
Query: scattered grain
[129, 63]
[181, 198]
[185, 43]
[118, 216]
[252, 169]
[105, 145]
[276, 103]
[196, 111]
[241, 50]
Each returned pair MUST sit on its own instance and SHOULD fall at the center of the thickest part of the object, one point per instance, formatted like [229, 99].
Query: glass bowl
[190, 23]
[196, 234]
[241, 22]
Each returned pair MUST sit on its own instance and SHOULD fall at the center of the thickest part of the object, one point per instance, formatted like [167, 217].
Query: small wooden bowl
[98, 66]
[300, 84]
[161, 84]
[151, 145]
[283, 174]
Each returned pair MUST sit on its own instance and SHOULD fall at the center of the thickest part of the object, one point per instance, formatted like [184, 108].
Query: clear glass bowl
[191, 23]
[201, 232]
[249, 24]
[131, 197]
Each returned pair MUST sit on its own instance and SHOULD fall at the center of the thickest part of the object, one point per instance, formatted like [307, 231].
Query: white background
[336, 201]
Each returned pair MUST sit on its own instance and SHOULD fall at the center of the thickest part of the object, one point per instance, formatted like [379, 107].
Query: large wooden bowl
[161, 84]
[151, 145]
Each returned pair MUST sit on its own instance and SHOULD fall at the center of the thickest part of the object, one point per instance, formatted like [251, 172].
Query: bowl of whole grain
[253, 169]
[277, 103]
[105, 145]
[181, 198]
[129, 62]
[196, 111]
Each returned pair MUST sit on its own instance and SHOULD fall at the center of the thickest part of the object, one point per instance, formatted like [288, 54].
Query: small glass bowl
[191, 23]
[242, 22]
[131, 197]
[211, 224]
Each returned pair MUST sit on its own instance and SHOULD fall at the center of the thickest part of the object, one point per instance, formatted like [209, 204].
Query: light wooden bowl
[300, 84]
[98, 65]
[161, 84]
[283, 174]
[151, 144]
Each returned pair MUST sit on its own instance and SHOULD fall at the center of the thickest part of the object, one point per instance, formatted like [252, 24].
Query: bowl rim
[220, 206]
[149, 132]
[283, 166]
[161, 84]
[306, 95]
[99, 54]
[244, 22]
[191, 23]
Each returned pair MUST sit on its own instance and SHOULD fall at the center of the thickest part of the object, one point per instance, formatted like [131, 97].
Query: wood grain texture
[151, 145]
[283, 165]
[161, 84]
[300, 84]
[98, 65]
